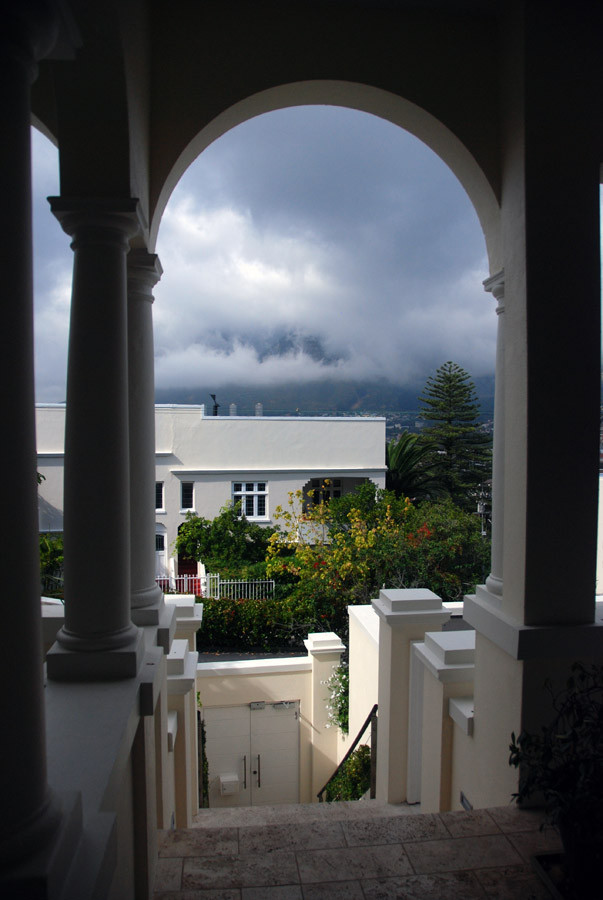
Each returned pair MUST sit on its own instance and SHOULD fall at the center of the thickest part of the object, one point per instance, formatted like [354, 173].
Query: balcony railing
[212, 585]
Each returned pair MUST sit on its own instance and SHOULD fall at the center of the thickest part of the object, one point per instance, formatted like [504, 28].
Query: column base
[78, 664]
[146, 606]
[44, 872]
[494, 585]
[560, 640]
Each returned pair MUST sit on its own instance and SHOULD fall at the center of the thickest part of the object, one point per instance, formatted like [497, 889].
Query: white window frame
[184, 508]
[254, 491]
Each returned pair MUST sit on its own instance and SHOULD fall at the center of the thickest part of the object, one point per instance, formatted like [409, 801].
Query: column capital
[495, 285]
[29, 32]
[144, 272]
[96, 220]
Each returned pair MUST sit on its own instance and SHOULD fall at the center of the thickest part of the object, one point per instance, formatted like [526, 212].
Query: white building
[205, 462]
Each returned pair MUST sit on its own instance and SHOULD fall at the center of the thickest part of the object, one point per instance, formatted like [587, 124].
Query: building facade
[204, 463]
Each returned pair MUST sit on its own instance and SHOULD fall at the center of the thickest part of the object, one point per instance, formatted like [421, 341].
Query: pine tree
[461, 451]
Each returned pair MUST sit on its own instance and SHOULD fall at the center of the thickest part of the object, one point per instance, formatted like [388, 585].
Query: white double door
[258, 744]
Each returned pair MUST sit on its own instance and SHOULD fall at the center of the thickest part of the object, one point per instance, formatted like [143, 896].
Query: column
[494, 582]
[325, 651]
[405, 615]
[30, 813]
[144, 271]
[98, 640]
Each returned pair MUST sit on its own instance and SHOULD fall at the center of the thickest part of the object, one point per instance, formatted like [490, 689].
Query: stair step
[240, 816]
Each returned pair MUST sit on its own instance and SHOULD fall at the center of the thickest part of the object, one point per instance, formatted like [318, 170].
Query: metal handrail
[371, 719]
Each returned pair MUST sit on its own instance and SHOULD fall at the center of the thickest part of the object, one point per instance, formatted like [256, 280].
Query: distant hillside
[317, 398]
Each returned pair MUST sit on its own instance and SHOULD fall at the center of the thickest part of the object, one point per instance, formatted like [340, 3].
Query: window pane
[261, 485]
[159, 542]
[159, 495]
[261, 506]
[248, 506]
[238, 487]
[187, 495]
[249, 486]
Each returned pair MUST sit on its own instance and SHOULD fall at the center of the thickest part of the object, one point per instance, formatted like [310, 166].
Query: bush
[251, 624]
[338, 686]
[353, 779]
[51, 564]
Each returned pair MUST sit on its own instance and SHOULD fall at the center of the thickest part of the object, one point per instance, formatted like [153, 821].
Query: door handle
[244, 773]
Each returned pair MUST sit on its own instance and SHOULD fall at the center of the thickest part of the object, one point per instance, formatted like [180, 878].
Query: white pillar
[144, 271]
[494, 582]
[325, 651]
[30, 814]
[404, 617]
[98, 640]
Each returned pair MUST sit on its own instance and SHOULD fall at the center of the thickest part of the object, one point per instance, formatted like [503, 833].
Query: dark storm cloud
[306, 243]
[336, 225]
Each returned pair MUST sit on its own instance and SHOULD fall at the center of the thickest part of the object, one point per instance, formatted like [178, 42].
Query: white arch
[364, 98]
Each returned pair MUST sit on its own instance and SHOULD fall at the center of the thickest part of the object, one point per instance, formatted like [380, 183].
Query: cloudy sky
[306, 243]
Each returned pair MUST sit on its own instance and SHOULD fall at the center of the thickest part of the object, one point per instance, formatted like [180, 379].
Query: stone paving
[356, 851]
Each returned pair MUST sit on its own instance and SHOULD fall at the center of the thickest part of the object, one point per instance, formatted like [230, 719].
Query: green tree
[409, 468]
[461, 454]
[445, 550]
[370, 538]
[229, 544]
[51, 564]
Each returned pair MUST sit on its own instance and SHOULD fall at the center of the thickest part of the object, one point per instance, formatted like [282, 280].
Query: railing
[181, 584]
[247, 589]
[371, 720]
[212, 585]
[52, 585]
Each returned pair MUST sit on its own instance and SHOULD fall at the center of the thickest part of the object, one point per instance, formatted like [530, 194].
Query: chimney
[259, 409]
[232, 409]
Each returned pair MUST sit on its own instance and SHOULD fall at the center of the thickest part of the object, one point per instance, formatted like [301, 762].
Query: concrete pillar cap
[324, 642]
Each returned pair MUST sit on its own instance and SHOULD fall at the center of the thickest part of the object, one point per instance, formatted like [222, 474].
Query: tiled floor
[353, 851]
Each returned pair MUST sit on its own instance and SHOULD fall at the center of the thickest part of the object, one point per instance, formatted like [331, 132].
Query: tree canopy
[227, 544]
[410, 472]
[461, 455]
[374, 538]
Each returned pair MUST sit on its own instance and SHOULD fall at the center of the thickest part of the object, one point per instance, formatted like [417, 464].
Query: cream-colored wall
[50, 433]
[488, 780]
[50, 428]
[224, 689]
[438, 748]
[364, 664]
[270, 442]
[462, 761]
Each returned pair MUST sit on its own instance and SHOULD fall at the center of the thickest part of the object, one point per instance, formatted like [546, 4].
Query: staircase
[361, 850]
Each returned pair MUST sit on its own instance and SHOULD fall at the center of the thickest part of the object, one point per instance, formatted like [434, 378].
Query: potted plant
[564, 765]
